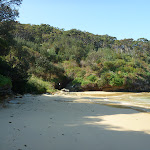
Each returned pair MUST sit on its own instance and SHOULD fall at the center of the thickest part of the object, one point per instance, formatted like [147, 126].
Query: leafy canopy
[8, 9]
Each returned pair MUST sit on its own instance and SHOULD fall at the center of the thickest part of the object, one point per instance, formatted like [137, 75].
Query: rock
[18, 96]
[65, 90]
[73, 88]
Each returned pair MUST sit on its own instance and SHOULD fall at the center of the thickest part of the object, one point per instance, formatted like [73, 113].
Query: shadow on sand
[69, 123]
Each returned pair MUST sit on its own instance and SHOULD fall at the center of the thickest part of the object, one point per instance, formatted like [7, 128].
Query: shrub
[77, 80]
[119, 63]
[92, 78]
[38, 86]
[116, 80]
[81, 73]
[85, 82]
[109, 65]
[111, 78]
[103, 81]
[5, 81]
[128, 69]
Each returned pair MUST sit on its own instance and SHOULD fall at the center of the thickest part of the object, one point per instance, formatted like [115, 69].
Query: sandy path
[71, 123]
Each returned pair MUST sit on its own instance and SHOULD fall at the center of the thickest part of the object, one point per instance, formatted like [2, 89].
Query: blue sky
[119, 18]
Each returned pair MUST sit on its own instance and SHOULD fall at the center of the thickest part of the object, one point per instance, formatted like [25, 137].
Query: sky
[117, 18]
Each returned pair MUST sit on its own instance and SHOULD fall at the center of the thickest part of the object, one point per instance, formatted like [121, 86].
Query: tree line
[36, 58]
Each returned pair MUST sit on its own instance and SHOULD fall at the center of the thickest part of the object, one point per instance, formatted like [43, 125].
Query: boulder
[65, 90]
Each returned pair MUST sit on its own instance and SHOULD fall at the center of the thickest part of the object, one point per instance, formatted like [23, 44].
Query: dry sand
[67, 122]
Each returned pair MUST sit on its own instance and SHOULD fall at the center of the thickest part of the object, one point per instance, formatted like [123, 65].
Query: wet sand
[71, 122]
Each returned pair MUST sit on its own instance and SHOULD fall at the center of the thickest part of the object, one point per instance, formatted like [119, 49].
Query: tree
[7, 9]
[8, 14]
[6, 37]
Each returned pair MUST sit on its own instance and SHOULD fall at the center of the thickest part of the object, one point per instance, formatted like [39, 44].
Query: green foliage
[81, 73]
[92, 78]
[5, 81]
[116, 80]
[119, 63]
[7, 9]
[77, 80]
[34, 56]
[104, 80]
[85, 83]
[109, 65]
[37, 85]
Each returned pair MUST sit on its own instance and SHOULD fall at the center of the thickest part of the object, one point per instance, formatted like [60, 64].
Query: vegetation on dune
[42, 58]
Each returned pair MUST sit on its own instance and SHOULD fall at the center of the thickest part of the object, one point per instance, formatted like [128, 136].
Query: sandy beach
[71, 122]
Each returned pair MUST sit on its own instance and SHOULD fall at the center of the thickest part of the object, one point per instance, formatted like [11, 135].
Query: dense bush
[116, 80]
[37, 85]
[33, 56]
[5, 81]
